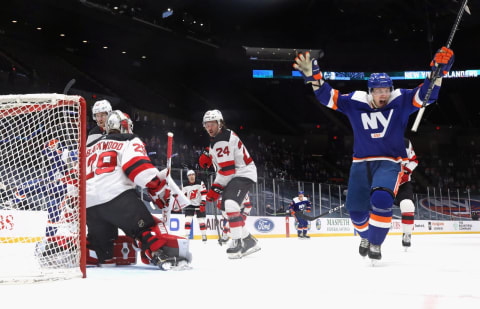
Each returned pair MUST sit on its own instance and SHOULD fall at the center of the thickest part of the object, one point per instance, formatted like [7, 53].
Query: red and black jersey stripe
[137, 165]
[227, 168]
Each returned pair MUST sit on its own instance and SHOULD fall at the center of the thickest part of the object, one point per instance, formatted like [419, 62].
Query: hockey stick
[68, 86]
[436, 74]
[217, 223]
[301, 215]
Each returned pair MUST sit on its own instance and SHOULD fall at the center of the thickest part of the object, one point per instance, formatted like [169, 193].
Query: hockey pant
[128, 213]
[232, 197]
[371, 190]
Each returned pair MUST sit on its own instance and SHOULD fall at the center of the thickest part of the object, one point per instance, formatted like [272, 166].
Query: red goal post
[42, 187]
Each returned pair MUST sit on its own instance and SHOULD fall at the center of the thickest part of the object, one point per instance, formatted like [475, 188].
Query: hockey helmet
[301, 193]
[190, 172]
[213, 115]
[120, 121]
[379, 80]
[102, 106]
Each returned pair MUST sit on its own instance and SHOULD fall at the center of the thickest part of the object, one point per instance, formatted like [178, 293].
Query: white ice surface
[438, 271]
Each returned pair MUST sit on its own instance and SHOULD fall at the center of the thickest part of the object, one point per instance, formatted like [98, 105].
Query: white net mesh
[40, 228]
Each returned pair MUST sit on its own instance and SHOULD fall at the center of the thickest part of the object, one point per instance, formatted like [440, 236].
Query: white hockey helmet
[190, 172]
[102, 106]
[120, 121]
[213, 115]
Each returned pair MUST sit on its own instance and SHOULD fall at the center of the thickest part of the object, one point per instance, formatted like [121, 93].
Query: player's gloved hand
[309, 210]
[308, 68]
[158, 192]
[202, 206]
[205, 159]
[214, 192]
[406, 174]
[444, 58]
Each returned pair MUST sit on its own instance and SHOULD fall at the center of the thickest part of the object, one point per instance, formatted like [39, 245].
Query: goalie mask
[119, 121]
[102, 106]
[213, 115]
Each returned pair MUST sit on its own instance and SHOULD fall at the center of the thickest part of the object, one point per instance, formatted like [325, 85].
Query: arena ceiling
[195, 58]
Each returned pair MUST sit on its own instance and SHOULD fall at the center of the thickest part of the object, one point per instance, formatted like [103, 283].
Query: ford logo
[264, 225]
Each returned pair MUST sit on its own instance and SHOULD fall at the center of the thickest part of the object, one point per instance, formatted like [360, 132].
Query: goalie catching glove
[444, 59]
[308, 68]
[158, 192]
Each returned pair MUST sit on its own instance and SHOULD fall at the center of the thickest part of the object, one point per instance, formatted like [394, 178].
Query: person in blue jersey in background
[301, 204]
[378, 118]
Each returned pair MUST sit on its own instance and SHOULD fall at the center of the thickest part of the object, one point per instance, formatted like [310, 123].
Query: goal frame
[33, 101]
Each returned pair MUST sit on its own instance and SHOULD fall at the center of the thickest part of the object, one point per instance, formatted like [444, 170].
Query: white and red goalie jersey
[231, 158]
[116, 163]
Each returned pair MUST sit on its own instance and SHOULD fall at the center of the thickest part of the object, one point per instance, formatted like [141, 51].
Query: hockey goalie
[116, 163]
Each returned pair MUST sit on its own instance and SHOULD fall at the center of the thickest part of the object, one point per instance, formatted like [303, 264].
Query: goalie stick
[436, 74]
[303, 216]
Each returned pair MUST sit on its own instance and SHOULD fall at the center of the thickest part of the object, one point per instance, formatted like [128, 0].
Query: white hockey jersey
[231, 158]
[116, 163]
[196, 192]
[412, 162]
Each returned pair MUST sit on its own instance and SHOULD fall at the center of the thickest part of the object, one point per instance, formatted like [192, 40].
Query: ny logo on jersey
[370, 122]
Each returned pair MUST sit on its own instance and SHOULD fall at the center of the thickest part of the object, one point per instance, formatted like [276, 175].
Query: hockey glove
[205, 159]
[202, 206]
[308, 68]
[406, 175]
[443, 58]
[158, 192]
[214, 193]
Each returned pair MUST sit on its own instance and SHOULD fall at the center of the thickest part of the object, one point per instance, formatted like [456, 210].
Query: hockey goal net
[42, 187]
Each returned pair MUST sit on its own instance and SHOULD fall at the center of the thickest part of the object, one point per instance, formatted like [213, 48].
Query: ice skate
[305, 236]
[235, 250]
[204, 239]
[363, 248]
[300, 236]
[374, 253]
[249, 245]
[406, 240]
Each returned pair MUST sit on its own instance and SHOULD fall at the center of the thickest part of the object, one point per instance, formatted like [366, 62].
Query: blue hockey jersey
[303, 205]
[378, 133]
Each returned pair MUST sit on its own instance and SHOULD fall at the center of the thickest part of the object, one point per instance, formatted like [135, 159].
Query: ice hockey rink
[438, 271]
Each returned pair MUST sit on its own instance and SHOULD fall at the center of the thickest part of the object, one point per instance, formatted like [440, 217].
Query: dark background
[178, 67]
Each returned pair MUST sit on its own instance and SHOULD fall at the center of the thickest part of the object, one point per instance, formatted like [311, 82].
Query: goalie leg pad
[124, 251]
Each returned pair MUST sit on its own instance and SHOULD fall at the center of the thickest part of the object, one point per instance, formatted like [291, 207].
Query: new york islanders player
[301, 204]
[56, 186]
[235, 175]
[195, 190]
[404, 196]
[100, 112]
[378, 118]
[116, 163]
